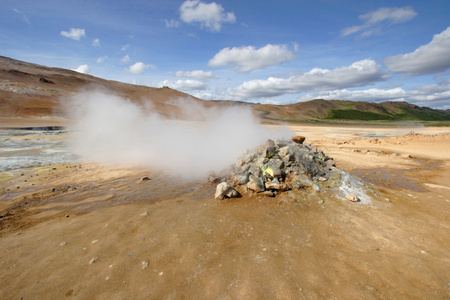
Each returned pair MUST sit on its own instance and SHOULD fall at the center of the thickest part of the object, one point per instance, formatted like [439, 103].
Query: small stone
[275, 186]
[93, 260]
[67, 216]
[63, 244]
[320, 201]
[144, 264]
[161, 273]
[94, 241]
[213, 179]
[298, 139]
[352, 197]
[145, 213]
[322, 179]
[145, 178]
[269, 193]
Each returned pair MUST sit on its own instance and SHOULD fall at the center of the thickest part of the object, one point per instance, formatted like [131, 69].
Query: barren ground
[163, 238]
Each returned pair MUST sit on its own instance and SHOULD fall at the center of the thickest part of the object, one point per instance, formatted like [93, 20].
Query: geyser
[112, 130]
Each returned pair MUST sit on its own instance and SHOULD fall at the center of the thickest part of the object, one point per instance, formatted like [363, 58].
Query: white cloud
[248, 58]
[102, 59]
[198, 74]
[379, 18]
[172, 23]
[427, 59]
[434, 95]
[360, 73]
[83, 69]
[24, 16]
[125, 47]
[369, 95]
[208, 15]
[185, 85]
[96, 42]
[139, 67]
[74, 33]
[125, 59]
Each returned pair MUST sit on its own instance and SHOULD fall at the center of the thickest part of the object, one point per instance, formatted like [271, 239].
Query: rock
[144, 214]
[213, 179]
[270, 143]
[270, 152]
[45, 80]
[298, 139]
[269, 193]
[274, 168]
[144, 264]
[223, 190]
[256, 184]
[276, 186]
[352, 197]
[322, 179]
[93, 260]
[144, 179]
[242, 179]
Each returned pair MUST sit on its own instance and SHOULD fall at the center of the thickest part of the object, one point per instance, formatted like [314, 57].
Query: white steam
[112, 130]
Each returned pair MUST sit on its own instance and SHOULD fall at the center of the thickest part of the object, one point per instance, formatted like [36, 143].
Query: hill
[334, 110]
[34, 92]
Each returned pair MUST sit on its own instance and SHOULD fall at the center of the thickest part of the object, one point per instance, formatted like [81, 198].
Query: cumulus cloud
[172, 23]
[102, 59]
[139, 67]
[184, 85]
[434, 95]
[368, 95]
[208, 15]
[198, 74]
[248, 58]
[359, 73]
[74, 33]
[96, 42]
[125, 59]
[379, 18]
[427, 59]
[83, 69]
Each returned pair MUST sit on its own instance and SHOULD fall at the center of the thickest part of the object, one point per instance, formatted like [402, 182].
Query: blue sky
[276, 52]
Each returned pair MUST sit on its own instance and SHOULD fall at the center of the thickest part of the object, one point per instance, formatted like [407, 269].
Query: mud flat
[85, 231]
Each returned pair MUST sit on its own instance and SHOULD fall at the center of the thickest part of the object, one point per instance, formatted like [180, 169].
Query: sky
[274, 52]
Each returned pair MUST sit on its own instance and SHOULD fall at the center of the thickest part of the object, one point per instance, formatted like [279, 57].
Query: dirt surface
[86, 231]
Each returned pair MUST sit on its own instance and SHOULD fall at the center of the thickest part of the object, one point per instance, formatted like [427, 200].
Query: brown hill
[29, 90]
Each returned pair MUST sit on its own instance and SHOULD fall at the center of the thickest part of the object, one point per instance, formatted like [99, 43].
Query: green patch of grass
[351, 114]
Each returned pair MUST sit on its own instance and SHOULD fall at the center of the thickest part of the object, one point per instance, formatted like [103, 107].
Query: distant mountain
[29, 90]
[332, 110]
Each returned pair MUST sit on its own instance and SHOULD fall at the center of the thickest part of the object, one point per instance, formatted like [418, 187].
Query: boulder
[298, 139]
[224, 190]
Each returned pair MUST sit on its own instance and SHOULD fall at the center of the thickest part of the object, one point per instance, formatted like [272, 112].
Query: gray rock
[224, 190]
[256, 184]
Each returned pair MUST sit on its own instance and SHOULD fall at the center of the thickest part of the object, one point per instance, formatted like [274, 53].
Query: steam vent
[290, 166]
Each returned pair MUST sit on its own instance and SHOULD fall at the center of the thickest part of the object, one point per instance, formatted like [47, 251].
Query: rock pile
[284, 165]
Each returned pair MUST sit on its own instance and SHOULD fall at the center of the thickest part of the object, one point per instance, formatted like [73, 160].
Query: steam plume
[112, 130]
